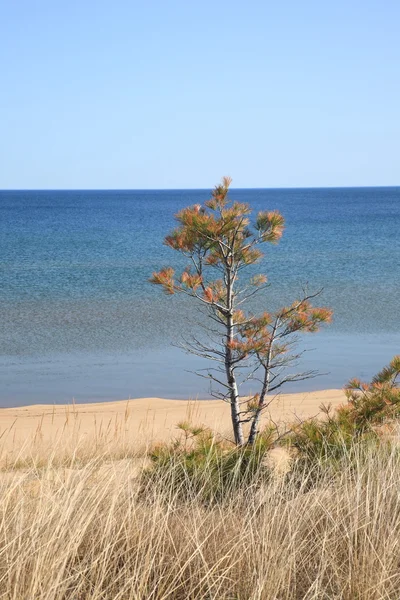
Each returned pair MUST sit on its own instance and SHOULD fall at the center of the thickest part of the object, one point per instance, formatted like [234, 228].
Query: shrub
[369, 405]
[375, 402]
[200, 465]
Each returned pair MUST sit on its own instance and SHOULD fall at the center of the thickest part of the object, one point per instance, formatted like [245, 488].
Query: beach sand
[142, 421]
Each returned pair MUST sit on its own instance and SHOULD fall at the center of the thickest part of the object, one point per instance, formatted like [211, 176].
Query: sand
[143, 420]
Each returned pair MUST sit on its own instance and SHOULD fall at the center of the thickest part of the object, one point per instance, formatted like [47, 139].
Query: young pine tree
[220, 243]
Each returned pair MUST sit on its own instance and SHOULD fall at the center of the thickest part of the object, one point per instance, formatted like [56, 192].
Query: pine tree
[220, 243]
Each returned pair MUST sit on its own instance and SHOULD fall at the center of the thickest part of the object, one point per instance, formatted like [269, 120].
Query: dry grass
[68, 444]
[91, 531]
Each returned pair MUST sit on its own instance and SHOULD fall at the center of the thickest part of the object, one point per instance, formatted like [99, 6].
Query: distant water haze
[80, 320]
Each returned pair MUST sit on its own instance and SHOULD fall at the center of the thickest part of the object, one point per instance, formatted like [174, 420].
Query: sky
[176, 93]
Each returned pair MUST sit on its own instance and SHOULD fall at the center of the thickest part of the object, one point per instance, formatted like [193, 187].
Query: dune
[142, 420]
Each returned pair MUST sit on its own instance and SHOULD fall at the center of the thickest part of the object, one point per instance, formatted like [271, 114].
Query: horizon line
[194, 189]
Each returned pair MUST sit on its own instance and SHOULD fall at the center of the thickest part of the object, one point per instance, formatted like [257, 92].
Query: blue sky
[174, 94]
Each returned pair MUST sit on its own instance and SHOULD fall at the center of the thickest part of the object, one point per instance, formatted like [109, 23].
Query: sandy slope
[144, 419]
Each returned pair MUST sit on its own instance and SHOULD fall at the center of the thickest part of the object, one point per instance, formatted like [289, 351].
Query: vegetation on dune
[99, 533]
[221, 245]
[202, 465]
[371, 413]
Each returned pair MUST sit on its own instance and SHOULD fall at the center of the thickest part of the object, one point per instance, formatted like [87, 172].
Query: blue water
[80, 320]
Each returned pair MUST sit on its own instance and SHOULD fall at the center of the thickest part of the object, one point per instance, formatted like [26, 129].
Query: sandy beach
[142, 421]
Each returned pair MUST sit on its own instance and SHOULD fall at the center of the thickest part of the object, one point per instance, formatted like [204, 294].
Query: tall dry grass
[94, 530]
[65, 435]
[69, 443]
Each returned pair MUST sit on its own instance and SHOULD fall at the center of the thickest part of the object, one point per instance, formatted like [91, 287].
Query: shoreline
[170, 373]
[140, 421]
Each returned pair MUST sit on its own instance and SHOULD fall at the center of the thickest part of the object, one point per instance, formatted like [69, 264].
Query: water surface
[79, 318]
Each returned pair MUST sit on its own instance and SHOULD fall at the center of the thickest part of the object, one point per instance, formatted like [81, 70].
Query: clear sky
[176, 93]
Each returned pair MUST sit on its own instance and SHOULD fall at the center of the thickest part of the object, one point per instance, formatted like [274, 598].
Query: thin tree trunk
[234, 394]
[235, 408]
[261, 403]
[230, 373]
[256, 419]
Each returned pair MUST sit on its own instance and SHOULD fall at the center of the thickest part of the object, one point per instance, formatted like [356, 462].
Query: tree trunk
[261, 403]
[235, 410]
[233, 389]
[229, 365]
[256, 419]
[254, 428]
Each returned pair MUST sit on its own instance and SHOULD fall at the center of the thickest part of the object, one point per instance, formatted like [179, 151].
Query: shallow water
[79, 318]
